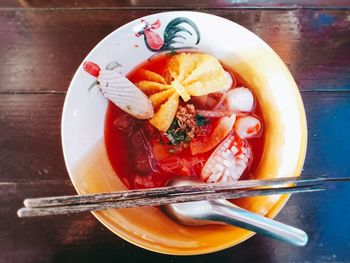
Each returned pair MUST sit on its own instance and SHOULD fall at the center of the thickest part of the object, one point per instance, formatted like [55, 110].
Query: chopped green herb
[200, 120]
[185, 125]
[175, 134]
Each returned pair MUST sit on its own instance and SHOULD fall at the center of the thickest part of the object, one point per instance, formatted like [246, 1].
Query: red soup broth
[129, 141]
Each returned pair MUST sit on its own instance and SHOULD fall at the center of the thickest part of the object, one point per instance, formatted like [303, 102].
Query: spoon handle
[236, 216]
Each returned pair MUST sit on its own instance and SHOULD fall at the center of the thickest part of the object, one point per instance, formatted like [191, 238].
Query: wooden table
[43, 42]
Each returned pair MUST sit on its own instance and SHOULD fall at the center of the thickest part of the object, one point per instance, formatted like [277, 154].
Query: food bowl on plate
[98, 160]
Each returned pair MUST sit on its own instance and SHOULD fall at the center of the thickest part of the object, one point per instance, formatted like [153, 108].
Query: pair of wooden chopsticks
[172, 194]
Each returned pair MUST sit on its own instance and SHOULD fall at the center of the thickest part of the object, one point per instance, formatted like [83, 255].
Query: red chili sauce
[143, 157]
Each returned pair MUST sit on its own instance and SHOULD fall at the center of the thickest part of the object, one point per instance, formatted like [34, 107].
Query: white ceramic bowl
[250, 57]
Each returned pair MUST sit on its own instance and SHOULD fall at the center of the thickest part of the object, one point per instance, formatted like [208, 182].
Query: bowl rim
[277, 206]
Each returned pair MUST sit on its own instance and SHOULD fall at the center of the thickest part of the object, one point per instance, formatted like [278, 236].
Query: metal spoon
[224, 212]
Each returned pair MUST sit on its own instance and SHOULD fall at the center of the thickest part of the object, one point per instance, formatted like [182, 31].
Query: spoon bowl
[224, 212]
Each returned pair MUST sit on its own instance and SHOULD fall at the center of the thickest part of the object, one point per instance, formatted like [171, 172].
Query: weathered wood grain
[30, 143]
[170, 4]
[80, 237]
[40, 50]
[42, 42]
[30, 138]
